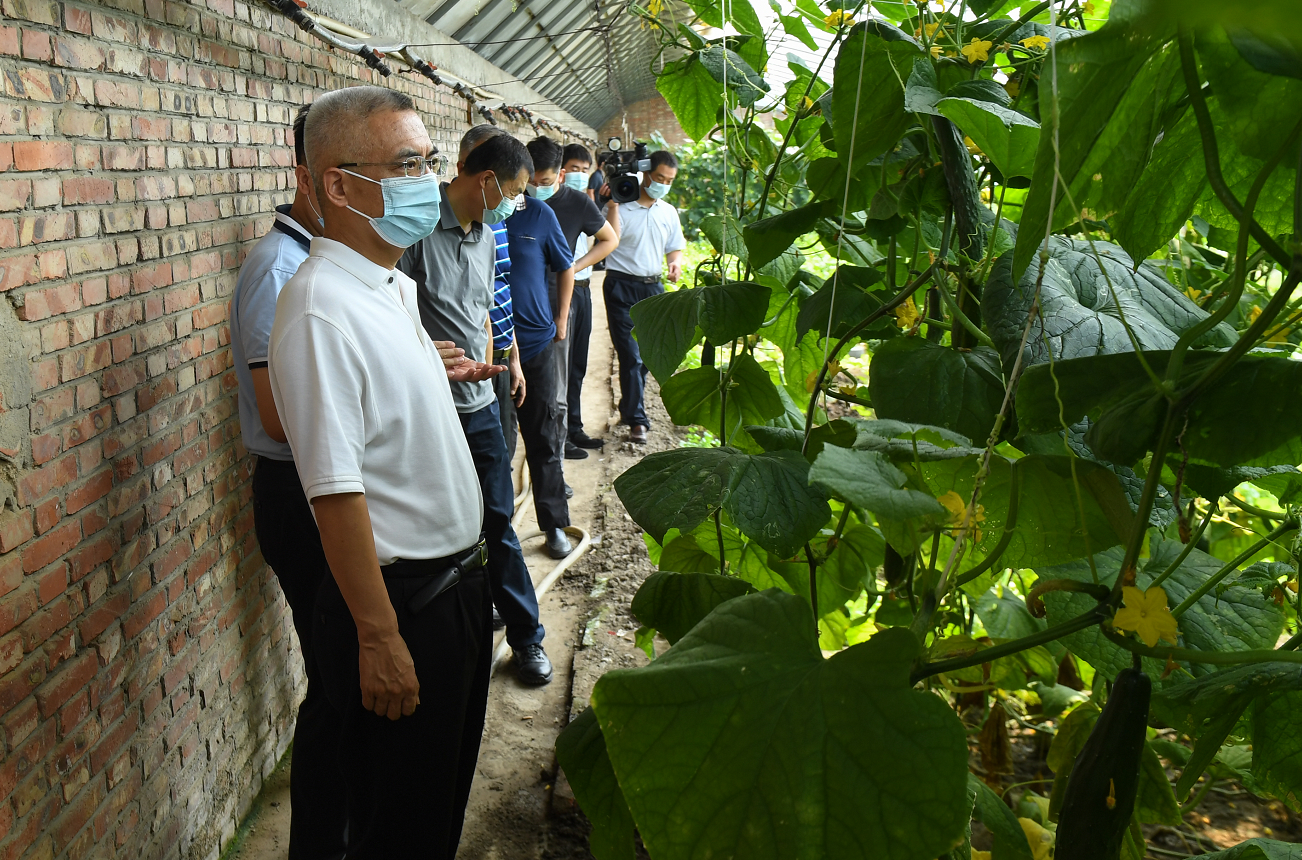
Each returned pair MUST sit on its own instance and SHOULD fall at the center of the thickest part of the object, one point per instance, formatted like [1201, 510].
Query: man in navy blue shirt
[538, 246]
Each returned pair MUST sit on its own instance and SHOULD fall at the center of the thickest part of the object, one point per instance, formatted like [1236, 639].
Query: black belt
[583, 283]
[442, 573]
[624, 276]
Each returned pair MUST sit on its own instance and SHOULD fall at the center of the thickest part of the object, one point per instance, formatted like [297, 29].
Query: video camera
[622, 167]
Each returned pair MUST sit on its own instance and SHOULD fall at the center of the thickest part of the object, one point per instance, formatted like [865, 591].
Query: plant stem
[1136, 538]
[1254, 510]
[1193, 83]
[1188, 548]
[1283, 528]
[718, 531]
[813, 583]
[1006, 649]
[1010, 523]
[1020, 22]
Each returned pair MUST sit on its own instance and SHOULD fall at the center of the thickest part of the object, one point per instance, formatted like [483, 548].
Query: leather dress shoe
[569, 491]
[498, 623]
[583, 440]
[532, 666]
[558, 543]
[574, 452]
[637, 433]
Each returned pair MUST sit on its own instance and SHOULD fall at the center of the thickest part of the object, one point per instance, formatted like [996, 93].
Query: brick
[82, 54]
[38, 85]
[36, 45]
[36, 11]
[100, 619]
[15, 529]
[140, 617]
[38, 483]
[14, 194]
[54, 227]
[63, 685]
[46, 549]
[42, 155]
[16, 686]
[88, 359]
[87, 189]
[9, 41]
[92, 490]
[53, 408]
[124, 158]
[92, 256]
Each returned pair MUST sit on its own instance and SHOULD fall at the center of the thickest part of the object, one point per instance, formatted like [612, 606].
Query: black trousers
[291, 545]
[407, 780]
[542, 425]
[620, 295]
[580, 332]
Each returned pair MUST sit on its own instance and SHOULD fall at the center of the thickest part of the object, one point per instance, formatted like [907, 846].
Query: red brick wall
[640, 119]
[148, 675]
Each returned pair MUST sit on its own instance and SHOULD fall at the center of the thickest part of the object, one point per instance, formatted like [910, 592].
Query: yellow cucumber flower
[839, 18]
[1038, 43]
[1147, 614]
[977, 51]
[906, 315]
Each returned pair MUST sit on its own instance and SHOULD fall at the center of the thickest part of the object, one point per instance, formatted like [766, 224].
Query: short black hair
[546, 153]
[502, 154]
[300, 135]
[576, 152]
[663, 158]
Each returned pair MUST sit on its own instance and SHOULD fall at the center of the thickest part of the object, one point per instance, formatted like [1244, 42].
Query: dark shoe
[637, 433]
[569, 491]
[574, 452]
[583, 440]
[532, 666]
[558, 543]
[498, 623]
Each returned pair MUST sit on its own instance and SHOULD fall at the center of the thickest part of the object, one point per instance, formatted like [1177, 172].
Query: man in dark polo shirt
[453, 271]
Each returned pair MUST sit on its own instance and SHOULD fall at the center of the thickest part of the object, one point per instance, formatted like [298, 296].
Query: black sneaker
[569, 492]
[498, 623]
[583, 440]
[574, 452]
[532, 666]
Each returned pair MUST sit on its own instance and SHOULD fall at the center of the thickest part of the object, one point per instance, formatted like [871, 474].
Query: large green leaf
[844, 301]
[850, 567]
[581, 751]
[1078, 311]
[770, 501]
[693, 396]
[1239, 619]
[1277, 747]
[725, 235]
[989, 808]
[1113, 88]
[1156, 803]
[1260, 107]
[768, 238]
[868, 91]
[693, 94]
[742, 741]
[1274, 210]
[674, 603]
[676, 489]
[665, 327]
[726, 66]
[1007, 137]
[731, 310]
[1005, 616]
[1257, 849]
[867, 479]
[1114, 390]
[1164, 197]
[920, 381]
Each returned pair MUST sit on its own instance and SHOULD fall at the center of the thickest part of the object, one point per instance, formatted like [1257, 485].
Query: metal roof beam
[571, 18]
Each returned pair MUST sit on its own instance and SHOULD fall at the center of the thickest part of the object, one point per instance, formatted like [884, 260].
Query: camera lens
[625, 188]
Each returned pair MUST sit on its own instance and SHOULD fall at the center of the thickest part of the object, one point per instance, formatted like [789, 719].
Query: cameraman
[650, 236]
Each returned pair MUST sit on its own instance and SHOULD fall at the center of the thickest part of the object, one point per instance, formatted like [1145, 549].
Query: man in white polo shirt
[367, 407]
[650, 240]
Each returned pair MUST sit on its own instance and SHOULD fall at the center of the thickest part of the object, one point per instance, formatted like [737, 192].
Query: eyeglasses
[413, 166]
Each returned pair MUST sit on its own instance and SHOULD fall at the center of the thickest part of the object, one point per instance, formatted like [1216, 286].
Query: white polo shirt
[365, 402]
[646, 234]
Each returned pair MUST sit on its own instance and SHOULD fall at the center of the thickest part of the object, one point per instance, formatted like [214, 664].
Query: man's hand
[517, 380]
[388, 675]
[561, 329]
[473, 371]
[675, 271]
[451, 354]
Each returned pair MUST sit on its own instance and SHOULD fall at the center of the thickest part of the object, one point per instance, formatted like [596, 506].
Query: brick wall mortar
[638, 120]
[148, 676]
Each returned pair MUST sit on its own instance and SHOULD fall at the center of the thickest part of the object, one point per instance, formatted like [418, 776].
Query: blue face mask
[502, 211]
[656, 190]
[411, 208]
[577, 181]
[542, 192]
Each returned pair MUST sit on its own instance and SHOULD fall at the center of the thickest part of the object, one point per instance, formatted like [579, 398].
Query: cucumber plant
[1058, 341]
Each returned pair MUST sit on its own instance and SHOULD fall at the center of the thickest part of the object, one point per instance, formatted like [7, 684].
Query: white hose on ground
[522, 504]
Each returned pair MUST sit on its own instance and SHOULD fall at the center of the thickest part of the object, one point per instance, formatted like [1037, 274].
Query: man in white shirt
[650, 240]
[367, 408]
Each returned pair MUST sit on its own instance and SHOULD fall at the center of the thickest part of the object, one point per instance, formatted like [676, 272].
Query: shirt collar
[283, 217]
[448, 218]
[374, 276]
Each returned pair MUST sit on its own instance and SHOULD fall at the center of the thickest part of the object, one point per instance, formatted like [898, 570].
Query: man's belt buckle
[475, 558]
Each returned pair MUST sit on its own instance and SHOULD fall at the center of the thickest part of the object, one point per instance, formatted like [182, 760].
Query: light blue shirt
[269, 266]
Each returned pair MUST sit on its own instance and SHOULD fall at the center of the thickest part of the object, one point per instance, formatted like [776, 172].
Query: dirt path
[589, 631]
